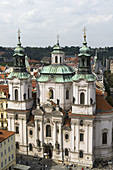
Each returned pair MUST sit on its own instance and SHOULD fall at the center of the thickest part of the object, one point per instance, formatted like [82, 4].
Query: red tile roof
[68, 122]
[102, 104]
[5, 89]
[4, 134]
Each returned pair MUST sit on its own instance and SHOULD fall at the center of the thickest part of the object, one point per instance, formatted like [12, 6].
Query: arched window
[81, 122]
[83, 62]
[2, 116]
[56, 59]
[30, 147]
[82, 97]
[48, 131]
[51, 95]
[17, 145]
[16, 61]
[88, 62]
[60, 60]
[1, 105]
[81, 154]
[28, 93]
[104, 138]
[16, 117]
[81, 137]
[16, 94]
[67, 94]
[66, 152]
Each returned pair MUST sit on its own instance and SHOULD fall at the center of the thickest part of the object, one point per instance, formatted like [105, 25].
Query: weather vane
[58, 39]
[19, 33]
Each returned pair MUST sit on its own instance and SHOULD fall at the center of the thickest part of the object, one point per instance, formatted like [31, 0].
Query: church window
[81, 122]
[17, 130]
[48, 131]
[81, 137]
[7, 105]
[51, 94]
[104, 138]
[56, 59]
[60, 60]
[66, 136]
[17, 145]
[30, 147]
[16, 61]
[16, 94]
[2, 116]
[81, 154]
[82, 97]
[31, 132]
[83, 62]
[2, 124]
[88, 62]
[67, 94]
[16, 117]
[66, 152]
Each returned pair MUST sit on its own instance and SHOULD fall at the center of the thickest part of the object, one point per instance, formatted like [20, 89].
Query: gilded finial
[58, 39]
[84, 32]
[19, 37]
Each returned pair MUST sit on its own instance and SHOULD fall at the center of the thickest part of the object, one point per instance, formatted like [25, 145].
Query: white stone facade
[59, 92]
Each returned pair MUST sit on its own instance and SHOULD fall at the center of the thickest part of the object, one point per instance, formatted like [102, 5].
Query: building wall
[7, 156]
[3, 107]
[103, 123]
[59, 90]
[89, 92]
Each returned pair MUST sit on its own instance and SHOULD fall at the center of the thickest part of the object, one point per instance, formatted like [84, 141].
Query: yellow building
[7, 150]
[4, 90]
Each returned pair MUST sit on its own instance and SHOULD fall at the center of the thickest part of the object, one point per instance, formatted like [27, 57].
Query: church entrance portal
[48, 150]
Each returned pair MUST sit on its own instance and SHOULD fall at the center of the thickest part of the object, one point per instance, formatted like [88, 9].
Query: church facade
[72, 122]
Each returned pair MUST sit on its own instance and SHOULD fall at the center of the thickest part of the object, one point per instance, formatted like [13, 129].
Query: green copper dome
[87, 77]
[19, 50]
[84, 50]
[56, 73]
[57, 49]
[57, 69]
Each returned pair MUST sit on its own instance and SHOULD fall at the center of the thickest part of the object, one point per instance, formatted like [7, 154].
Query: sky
[40, 21]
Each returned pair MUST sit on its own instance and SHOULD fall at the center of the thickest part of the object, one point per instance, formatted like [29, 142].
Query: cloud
[46, 18]
[98, 19]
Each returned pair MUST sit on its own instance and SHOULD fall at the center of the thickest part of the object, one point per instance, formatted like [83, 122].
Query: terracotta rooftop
[102, 105]
[31, 119]
[3, 76]
[2, 68]
[5, 89]
[4, 134]
[68, 122]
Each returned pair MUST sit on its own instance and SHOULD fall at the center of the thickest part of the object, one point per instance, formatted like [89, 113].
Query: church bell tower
[20, 97]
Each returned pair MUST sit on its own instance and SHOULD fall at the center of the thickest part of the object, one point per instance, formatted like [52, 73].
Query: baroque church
[70, 121]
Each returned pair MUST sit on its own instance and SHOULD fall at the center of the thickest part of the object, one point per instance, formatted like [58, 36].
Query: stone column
[60, 137]
[36, 129]
[54, 138]
[72, 137]
[22, 131]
